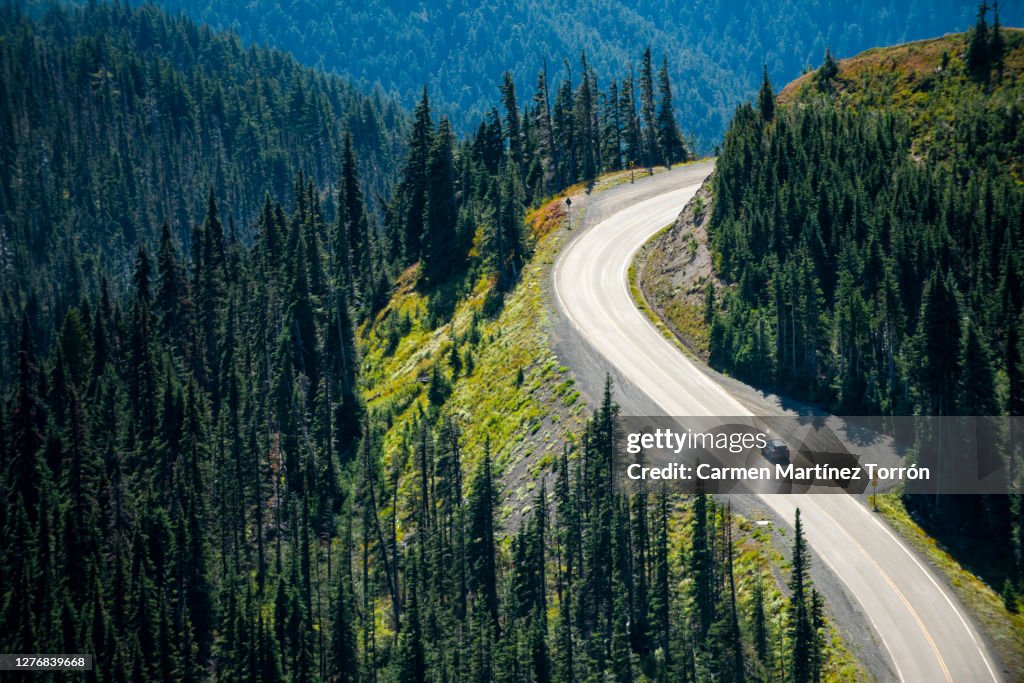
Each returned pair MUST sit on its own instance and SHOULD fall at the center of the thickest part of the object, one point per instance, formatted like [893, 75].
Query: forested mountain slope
[116, 120]
[715, 48]
[235, 447]
[861, 245]
[871, 231]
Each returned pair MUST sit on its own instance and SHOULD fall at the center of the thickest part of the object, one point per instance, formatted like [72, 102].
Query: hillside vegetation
[484, 390]
[279, 406]
[864, 225]
[114, 121]
[862, 244]
[715, 48]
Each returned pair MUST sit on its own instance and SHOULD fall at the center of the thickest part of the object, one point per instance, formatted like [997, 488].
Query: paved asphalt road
[926, 632]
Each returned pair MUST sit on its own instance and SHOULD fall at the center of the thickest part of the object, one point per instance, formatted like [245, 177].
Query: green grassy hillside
[489, 367]
[929, 82]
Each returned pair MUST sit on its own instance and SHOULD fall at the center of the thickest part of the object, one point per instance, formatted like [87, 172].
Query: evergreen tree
[208, 286]
[997, 46]
[633, 141]
[142, 375]
[978, 56]
[938, 339]
[977, 392]
[409, 664]
[439, 256]
[700, 560]
[511, 128]
[480, 546]
[611, 128]
[827, 73]
[413, 188]
[172, 291]
[801, 634]
[661, 595]
[545, 143]
[669, 139]
[301, 330]
[586, 123]
[353, 261]
[760, 620]
[508, 242]
[766, 97]
[649, 140]
[21, 464]
[196, 612]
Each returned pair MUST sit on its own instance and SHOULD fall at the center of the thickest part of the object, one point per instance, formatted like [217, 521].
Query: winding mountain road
[926, 633]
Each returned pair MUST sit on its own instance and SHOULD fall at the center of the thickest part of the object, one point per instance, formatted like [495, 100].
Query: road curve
[926, 632]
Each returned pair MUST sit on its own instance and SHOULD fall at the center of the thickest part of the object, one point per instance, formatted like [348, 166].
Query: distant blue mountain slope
[460, 49]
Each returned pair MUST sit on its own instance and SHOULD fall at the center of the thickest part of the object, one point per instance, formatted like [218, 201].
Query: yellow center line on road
[942, 591]
[898, 592]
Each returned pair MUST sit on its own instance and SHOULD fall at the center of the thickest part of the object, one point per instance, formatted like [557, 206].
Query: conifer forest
[240, 291]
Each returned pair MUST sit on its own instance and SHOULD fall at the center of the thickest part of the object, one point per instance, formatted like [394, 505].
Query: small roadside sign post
[568, 207]
[632, 166]
[874, 491]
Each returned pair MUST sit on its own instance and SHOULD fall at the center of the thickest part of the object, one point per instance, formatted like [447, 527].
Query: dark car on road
[776, 450]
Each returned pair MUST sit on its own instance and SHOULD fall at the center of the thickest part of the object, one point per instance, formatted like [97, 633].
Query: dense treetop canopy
[715, 47]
